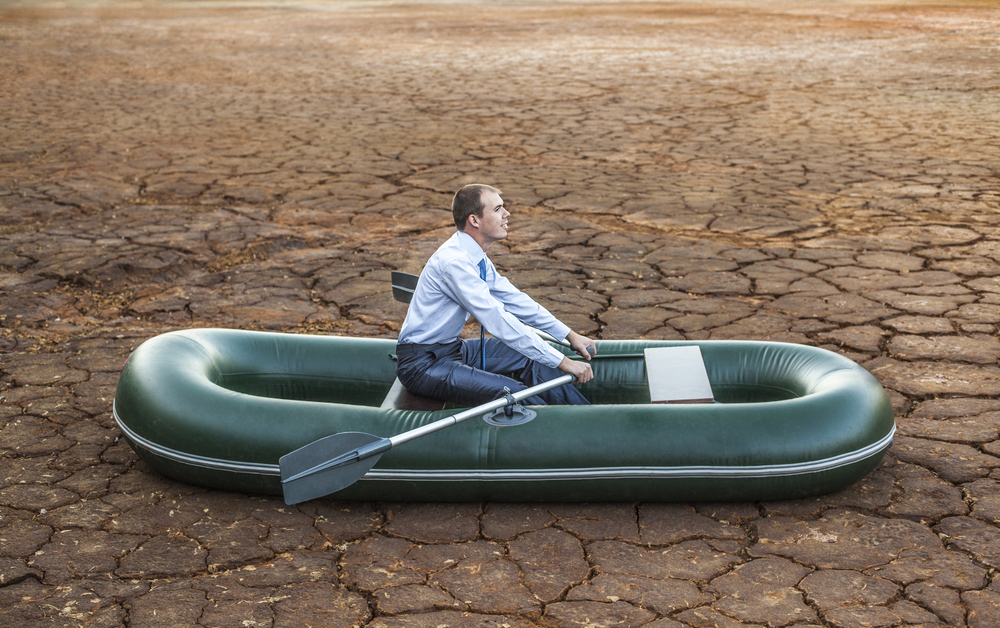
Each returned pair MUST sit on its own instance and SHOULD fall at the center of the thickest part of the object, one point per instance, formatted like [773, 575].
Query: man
[459, 281]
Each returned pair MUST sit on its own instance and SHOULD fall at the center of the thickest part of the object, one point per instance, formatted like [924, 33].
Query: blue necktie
[482, 330]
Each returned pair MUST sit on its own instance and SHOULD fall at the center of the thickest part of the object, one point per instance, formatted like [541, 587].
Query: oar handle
[544, 335]
[465, 415]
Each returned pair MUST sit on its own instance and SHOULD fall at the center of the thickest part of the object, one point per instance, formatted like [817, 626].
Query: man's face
[493, 224]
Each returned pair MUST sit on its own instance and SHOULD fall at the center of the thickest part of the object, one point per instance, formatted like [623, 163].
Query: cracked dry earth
[820, 173]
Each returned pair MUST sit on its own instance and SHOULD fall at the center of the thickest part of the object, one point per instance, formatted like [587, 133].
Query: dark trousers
[452, 372]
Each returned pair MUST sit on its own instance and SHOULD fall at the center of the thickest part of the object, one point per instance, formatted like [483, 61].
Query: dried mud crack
[819, 172]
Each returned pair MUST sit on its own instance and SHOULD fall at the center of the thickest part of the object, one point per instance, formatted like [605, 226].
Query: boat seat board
[398, 398]
[677, 375]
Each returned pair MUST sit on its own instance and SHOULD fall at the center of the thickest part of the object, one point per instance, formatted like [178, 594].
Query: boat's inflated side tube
[220, 407]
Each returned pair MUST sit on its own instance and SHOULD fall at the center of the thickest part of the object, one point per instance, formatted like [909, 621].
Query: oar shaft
[380, 446]
[424, 430]
[544, 335]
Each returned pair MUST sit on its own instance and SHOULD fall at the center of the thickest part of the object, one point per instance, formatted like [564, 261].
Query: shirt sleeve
[498, 305]
[523, 307]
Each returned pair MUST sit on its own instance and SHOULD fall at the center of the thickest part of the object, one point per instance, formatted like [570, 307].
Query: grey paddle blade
[316, 475]
[403, 285]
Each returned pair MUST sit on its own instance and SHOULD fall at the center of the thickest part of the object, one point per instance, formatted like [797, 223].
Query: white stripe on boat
[504, 475]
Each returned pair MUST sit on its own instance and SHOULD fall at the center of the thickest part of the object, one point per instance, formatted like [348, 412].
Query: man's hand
[581, 344]
[580, 370]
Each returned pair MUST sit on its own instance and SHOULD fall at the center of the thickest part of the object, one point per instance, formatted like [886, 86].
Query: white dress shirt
[450, 290]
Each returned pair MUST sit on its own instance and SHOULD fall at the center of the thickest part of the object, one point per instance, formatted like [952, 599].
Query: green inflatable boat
[220, 407]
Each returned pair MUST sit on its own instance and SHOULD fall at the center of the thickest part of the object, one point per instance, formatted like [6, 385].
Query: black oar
[403, 285]
[335, 462]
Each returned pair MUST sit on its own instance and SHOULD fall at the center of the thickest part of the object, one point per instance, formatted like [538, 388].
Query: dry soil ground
[817, 172]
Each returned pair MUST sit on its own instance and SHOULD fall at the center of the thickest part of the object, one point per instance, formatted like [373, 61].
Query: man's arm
[524, 308]
[464, 287]
[529, 311]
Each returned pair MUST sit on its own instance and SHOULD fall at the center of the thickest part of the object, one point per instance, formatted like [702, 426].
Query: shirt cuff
[559, 330]
[556, 356]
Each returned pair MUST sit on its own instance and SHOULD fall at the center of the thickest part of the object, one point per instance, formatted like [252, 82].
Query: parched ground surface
[821, 173]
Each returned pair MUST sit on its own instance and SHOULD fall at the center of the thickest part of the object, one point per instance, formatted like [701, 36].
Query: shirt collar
[471, 247]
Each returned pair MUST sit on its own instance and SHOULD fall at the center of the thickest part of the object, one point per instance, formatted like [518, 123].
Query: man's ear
[472, 221]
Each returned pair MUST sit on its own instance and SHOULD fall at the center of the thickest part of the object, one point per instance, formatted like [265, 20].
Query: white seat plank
[678, 375]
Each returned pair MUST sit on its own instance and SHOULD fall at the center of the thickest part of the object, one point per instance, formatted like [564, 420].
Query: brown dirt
[814, 172]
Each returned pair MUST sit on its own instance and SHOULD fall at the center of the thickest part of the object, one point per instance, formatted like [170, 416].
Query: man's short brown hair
[469, 201]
